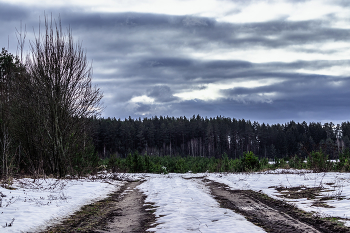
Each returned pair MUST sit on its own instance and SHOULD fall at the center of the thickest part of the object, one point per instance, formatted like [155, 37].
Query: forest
[212, 137]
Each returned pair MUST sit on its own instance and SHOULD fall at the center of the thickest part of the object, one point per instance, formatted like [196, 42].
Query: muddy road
[269, 218]
[123, 211]
[126, 211]
[270, 214]
[129, 214]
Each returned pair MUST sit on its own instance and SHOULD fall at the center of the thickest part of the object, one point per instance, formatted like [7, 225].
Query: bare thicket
[60, 79]
[51, 99]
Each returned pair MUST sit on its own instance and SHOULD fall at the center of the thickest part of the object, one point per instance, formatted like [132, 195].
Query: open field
[300, 201]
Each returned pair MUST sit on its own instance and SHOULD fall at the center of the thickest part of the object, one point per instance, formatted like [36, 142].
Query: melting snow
[186, 206]
[35, 204]
[334, 184]
[181, 205]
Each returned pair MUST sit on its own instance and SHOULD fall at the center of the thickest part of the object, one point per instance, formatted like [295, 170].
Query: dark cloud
[9, 12]
[143, 108]
[168, 62]
[136, 54]
[310, 86]
[162, 94]
[164, 34]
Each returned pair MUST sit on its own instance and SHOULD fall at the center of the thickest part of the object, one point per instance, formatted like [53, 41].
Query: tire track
[122, 211]
[270, 214]
[129, 214]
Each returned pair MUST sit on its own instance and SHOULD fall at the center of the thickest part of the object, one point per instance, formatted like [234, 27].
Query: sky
[266, 61]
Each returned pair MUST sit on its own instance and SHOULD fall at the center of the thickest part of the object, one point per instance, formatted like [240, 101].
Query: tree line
[212, 137]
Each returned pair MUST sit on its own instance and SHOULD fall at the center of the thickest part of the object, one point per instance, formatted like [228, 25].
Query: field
[287, 200]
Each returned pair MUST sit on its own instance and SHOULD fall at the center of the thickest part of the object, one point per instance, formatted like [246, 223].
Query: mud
[126, 211]
[130, 214]
[122, 211]
[270, 214]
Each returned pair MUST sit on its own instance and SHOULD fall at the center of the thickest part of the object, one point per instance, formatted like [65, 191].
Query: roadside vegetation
[316, 161]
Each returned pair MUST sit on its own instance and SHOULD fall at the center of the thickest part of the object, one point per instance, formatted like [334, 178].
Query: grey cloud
[162, 94]
[170, 33]
[301, 87]
[138, 54]
[12, 12]
[163, 34]
[170, 62]
[342, 3]
[317, 94]
[143, 108]
[176, 70]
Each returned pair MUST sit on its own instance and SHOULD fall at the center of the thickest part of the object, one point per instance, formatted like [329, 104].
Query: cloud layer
[285, 67]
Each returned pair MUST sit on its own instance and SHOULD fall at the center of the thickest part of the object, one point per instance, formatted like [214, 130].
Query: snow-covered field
[182, 205]
[35, 204]
[335, 185]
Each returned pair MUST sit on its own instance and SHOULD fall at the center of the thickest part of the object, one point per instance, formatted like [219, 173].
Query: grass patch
[299, 192]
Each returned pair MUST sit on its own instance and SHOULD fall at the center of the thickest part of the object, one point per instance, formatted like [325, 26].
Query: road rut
[129, 214]
[270, 214]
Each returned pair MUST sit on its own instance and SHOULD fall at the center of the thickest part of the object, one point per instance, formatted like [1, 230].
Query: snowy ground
[336, 185]
[186, 206]
[35, 204]
[182, 205]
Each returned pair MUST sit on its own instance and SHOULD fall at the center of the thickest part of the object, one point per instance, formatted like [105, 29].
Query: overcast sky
[265, 61]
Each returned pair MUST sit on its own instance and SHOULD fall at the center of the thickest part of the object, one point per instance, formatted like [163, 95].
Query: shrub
[225, 164]
[317, 161]
[296, 162]
[250, 162]
[180, 165]
[344, 161]
[281, 163]
[237, 165]
[264, 163]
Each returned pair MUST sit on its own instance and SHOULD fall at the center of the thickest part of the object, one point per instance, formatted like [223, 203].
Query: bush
[237, 165]
[250, 162]
[84, 162]
[344, 161]
[225, 164]
[281, 163]
[180, 165]
[318, 162]
[296, 162]
[264, 163]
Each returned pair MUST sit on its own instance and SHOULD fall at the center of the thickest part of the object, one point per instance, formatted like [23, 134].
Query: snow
[181, 204]
[186, 206]
[335, 185]
[38, 203]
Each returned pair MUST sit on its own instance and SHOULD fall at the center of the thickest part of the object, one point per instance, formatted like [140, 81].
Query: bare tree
[61, 93]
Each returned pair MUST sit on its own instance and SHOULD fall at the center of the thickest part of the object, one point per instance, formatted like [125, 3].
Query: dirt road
[122, 211]
[125, 211]
[270, 214]
[129, 214]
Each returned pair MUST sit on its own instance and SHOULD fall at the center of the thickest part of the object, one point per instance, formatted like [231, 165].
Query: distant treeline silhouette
[212, 137]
